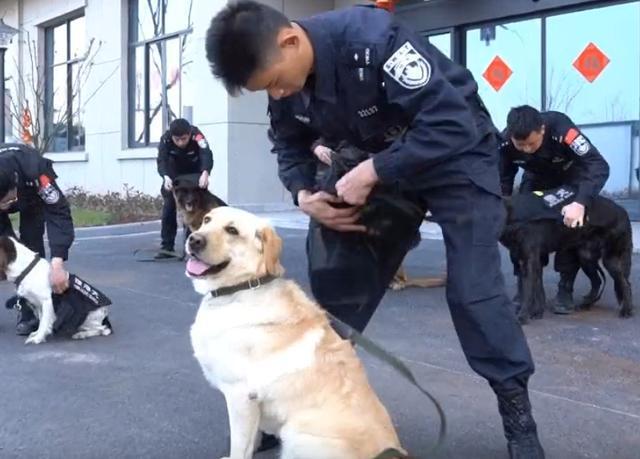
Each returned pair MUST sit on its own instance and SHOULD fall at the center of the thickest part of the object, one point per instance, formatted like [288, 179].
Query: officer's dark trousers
[169, 220]
[566, 262]
[471, 220]
[31, 228]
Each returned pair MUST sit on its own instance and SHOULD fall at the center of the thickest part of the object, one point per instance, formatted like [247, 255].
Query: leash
[27, 270]
[170, 255]
[390, 360]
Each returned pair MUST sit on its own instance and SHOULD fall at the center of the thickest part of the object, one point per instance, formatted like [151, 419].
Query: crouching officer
[359, 75]
[183, 149]
[553, 152]
[28, 186]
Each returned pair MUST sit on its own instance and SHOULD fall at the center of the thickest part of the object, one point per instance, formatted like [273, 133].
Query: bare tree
[157, 15]
[561, 92]
[31, 91]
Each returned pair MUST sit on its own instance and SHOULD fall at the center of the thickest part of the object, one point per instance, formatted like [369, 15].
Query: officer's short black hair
[241, 40]
[522, 121]
[179, 127]
[7, 181]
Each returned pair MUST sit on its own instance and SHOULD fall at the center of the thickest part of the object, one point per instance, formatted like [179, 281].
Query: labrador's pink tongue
[196, 267]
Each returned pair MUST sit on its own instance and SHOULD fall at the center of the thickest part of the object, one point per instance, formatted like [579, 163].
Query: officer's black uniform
[40, 201]
[196, 157]
[567, 158]
[382, 88]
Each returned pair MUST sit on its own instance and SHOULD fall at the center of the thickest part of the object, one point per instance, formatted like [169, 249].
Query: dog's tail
[107, 323]
[603, 285]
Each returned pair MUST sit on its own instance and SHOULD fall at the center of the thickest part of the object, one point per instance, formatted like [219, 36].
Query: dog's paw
[397, 285]
[625, 313]
[537, 315]
[35, 338]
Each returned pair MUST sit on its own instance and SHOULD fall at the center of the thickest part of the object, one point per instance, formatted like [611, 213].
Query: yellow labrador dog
[271, 351]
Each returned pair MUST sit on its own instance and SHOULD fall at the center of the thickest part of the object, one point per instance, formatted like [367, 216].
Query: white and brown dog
[272, 352]
[22, 266]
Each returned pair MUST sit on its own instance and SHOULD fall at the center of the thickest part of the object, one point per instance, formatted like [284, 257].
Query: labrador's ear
[271, 249]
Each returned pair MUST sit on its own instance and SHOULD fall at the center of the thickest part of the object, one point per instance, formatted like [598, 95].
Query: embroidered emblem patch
[47, 191]
[202, 142]
[408, 67]
[577, 142]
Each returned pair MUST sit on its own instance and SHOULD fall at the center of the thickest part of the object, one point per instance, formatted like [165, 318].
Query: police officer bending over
[358, 74]
[183, 149]
[27, 185]
[553, 153]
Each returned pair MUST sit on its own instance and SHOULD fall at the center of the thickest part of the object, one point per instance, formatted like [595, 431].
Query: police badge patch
[577, 142]
[202, 142]
[408, 67]
[47, 191]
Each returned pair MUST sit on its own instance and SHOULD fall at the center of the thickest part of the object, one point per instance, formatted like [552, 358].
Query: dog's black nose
[197, 242]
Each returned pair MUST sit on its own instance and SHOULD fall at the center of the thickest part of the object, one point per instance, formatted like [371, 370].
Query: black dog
[606, 236]
[193, 202]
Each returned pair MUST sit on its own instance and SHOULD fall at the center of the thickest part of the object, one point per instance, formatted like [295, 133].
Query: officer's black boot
[27, 321]
[164, 253]
[519, 426]
[563, 302]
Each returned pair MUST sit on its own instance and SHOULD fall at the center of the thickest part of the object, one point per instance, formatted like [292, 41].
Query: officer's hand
[168, 183]
[573, 215]
[323, 154]
[203, 182]
[58, 276]
[318, 206]
[354, 187]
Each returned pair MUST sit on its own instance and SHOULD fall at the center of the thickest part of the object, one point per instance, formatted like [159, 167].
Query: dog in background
[606, 236]
[15, 259]
[271, 351]
[193, 202]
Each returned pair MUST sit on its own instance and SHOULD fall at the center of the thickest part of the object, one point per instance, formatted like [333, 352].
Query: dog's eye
[206, 220]
[231, 230]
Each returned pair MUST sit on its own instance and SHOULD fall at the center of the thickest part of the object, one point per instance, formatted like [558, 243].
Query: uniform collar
[324, 59]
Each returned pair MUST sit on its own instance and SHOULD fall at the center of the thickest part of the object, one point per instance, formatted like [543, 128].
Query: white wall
[244, 173]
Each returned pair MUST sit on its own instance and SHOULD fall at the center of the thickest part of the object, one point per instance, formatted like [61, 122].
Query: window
[65, 52]
[442, 41]
[159, 67]
[506, 61]
[594, 77]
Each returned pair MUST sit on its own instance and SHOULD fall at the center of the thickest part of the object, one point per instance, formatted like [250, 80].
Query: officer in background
[183, 149]
[359, 75]
[553, 153]
[28, 186]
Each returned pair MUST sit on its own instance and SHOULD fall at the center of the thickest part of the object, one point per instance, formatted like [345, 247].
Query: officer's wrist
[302, 196]
[57, 262]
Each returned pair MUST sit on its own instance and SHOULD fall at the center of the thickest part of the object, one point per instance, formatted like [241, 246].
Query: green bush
[127, 206]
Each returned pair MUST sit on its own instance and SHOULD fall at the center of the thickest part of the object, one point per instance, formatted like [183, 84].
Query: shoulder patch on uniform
[202, 142]
[47, 191]
[408, 67]
[577, 142]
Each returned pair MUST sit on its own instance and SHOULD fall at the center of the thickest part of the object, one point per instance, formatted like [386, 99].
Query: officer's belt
[27, 270]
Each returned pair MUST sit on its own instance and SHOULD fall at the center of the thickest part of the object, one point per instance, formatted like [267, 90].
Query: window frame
[132, 47]
[49, 46]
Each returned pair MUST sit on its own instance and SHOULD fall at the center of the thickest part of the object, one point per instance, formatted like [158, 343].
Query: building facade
[146, 65]
[113, 73]
[581, 57]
